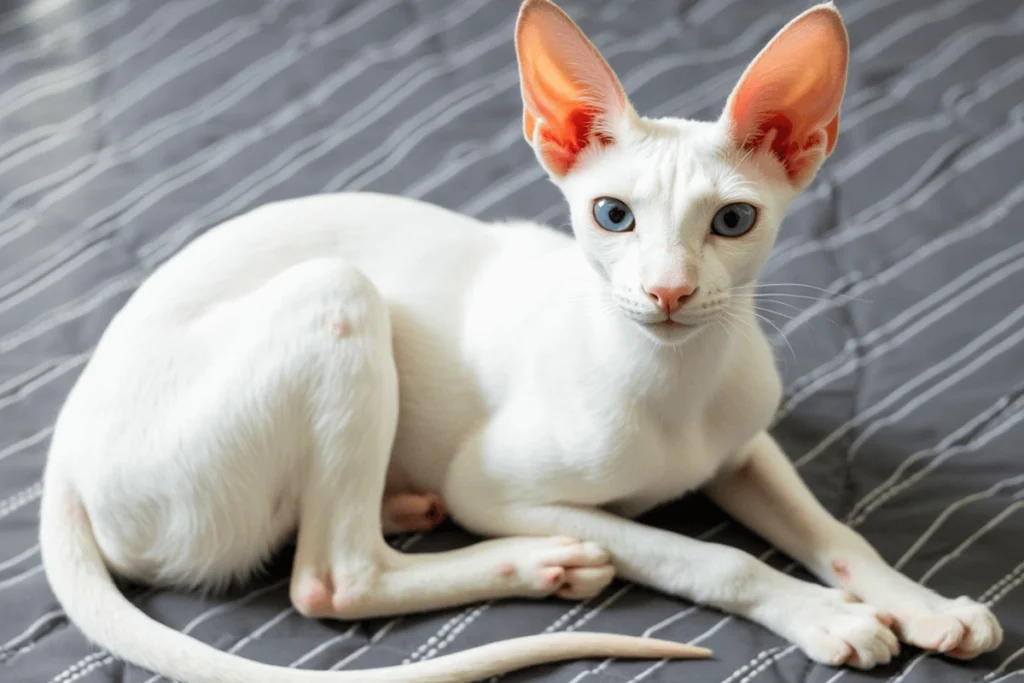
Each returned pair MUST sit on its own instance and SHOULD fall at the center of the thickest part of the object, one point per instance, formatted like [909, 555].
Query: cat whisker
[760, 301]
[830, 293]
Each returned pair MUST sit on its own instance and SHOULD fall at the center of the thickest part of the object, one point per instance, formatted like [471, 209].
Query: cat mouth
[668, 326]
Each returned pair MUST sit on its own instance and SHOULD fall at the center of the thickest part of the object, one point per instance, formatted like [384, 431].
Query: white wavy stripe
[949, 511]
[27, 442]
[935, 307]
[20, 499]
[341, 637]
[1012, 199]
[65, 365]
[81, 28]
[75, 309]
[953, 49]
[18, 559]
[1003, 585]
[937, 184]
[12, 383]
[203, 617]
[921, 398]
[51, 136]
[933, 371]
[1005, 664]
[845, 169]
[212, 156]
[30, 632]
[440, 633]
[39, 10]
[969, 541]
[168, 127]
[78, 73]
[851, 233]
[83, 667]
[25, 575]
[939, 454]
[842, 170]
[426, 122]
[190, 57]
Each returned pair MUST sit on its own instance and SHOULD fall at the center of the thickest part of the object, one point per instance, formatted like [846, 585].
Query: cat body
[334, 363]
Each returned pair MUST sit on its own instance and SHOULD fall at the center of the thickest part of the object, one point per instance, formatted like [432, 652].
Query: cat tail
[83, 585]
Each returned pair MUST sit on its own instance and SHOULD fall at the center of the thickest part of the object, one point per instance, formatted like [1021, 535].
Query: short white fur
[333, 363]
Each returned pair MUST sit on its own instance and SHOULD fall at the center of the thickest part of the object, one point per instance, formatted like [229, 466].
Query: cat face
[674, 218]
[678, 217]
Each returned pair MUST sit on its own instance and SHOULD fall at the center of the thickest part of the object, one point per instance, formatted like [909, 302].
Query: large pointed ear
[789, 97]
[572, 98]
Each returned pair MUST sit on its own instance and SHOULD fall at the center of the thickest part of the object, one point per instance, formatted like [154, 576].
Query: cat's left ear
[571, 97]
[789, 97]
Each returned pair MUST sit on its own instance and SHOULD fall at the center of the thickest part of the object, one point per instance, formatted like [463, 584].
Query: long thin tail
[82, 583]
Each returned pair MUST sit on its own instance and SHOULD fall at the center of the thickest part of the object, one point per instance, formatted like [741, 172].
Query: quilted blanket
[127, 128]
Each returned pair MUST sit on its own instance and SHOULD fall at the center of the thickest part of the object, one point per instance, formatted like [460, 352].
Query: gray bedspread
[128, 128]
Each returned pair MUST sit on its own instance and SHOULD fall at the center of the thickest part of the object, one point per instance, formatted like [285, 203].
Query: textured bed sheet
[128, 128]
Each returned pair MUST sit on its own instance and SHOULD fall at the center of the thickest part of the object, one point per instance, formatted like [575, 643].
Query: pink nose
[670, 299]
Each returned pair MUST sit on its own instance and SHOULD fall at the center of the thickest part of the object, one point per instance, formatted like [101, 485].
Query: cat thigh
[232, 412]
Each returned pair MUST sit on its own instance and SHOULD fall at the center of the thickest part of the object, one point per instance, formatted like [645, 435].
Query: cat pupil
[617, 214]
[731, 218]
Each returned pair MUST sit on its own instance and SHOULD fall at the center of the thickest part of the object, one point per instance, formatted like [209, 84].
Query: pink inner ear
[795, 87]
[567, 86]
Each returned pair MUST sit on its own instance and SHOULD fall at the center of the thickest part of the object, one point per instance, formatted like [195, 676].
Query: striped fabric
[129, 127]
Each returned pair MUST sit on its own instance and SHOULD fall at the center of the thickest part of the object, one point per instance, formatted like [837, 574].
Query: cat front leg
[488, 491]
[766, 494]
[335, 324]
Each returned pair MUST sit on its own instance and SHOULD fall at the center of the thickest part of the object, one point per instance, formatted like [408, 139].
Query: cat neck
[588, 335]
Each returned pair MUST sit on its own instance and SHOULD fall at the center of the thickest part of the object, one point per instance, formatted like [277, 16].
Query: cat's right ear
[571, 97]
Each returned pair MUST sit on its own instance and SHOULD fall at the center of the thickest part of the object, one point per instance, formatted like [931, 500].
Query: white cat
[249, 387]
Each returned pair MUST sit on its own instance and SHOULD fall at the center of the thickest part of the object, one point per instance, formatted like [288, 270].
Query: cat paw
[833, 628]
[960, 628]
[411, 512]
[564, 567]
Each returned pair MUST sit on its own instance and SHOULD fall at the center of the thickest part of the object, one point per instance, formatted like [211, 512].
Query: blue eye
[614, 215]
[734, 220]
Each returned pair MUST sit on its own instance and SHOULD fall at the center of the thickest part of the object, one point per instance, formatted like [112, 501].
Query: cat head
[678, 217]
